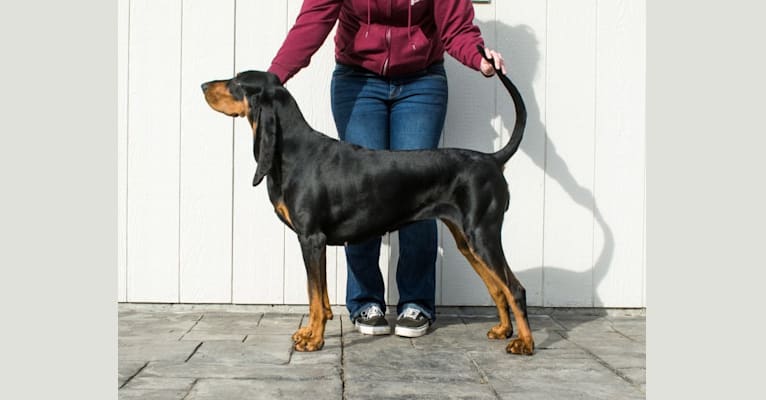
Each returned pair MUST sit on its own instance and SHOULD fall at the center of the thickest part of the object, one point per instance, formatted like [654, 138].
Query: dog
[315, 195]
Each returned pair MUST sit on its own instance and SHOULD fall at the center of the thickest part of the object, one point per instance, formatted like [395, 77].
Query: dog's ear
[265, 126]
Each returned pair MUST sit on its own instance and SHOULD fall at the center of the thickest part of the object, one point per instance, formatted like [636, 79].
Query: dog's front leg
[311, 337]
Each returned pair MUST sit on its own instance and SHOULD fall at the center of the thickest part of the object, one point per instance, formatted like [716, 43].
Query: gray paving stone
[329, 355]
[228, 322]
[156, 326]
[262, 349]
[274, 324]
[126, 369]
[175, 384]
[634, 328]
[139, 349]
[234, 389]
[198, 369]
[408, 389]
[547, 378]
[636, 375]
[457, 336]
[613, 348]
[151, 394]
[600, 355]
[539, 322]
[203, 336]
[552, 340]
[471, 336]
[583, 322]
[407, 364]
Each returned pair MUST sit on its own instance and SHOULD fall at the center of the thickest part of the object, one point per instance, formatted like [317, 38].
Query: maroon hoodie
[389, 37]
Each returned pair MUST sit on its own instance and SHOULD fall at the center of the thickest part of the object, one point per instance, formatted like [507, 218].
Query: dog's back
[403, 186]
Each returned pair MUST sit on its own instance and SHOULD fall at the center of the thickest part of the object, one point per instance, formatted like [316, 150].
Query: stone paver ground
[242, 352]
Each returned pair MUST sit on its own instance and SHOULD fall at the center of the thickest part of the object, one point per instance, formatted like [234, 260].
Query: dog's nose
[204, 86]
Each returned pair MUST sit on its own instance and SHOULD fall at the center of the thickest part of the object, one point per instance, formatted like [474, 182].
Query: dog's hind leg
[487, 247]
[484, 251]
[311, 337]
[504, 329]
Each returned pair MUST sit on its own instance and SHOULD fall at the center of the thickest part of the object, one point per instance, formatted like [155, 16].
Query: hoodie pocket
[418, 47]
[370, 40]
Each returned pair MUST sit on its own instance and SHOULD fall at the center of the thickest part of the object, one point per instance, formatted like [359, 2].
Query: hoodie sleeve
[314, 23]
[454, 19]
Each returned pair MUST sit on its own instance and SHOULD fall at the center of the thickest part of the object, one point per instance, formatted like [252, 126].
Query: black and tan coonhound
[331, 193]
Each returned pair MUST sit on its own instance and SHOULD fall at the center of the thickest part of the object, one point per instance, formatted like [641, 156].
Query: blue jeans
[402, 113]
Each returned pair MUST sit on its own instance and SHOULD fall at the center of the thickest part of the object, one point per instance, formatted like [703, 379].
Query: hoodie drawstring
[409, 21]
[409, 24]
[369, 19]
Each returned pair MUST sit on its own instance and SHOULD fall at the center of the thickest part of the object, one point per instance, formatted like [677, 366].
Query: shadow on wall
[522, 71]
[524, 47]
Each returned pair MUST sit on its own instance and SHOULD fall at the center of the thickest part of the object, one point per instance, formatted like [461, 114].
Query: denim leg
[361, 117]
[416, 269]
[364, 284]
[417, 120]
[400, 114]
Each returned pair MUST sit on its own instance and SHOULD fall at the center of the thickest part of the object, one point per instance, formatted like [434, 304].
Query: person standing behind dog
[389, 91]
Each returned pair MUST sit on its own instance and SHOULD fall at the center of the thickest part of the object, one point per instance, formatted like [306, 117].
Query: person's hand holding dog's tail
[492, 61]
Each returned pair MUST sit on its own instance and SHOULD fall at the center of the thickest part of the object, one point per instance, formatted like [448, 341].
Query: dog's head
[239, 96]
[250, 94]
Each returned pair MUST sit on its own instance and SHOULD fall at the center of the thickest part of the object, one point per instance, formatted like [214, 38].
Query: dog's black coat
[331, 193]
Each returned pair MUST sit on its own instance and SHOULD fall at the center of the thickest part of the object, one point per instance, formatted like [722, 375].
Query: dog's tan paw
[500, 332]
[520, 346]
[302, 334]
[309, 344]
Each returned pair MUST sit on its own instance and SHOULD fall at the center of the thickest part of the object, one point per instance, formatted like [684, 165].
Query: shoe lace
[411, 313]
[371, 312]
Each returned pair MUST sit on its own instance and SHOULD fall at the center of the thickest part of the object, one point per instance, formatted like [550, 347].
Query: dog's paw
[500, 332]
[302, 334]
[309, 344]
[521, 346]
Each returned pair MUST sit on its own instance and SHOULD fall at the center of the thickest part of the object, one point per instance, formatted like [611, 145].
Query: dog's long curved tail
[504, 154]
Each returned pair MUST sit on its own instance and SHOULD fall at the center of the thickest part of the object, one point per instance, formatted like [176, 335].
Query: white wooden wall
[192, 229]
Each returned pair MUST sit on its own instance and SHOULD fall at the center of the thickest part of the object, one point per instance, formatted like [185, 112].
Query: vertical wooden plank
[153, 150]
[643, 237]
[620, 154]
[521, 37]
[123, 29]
[206, 155]
[568, 229]
[341, 274]
[389, 259]
[311, 89]
[471, 124]
[258, 244]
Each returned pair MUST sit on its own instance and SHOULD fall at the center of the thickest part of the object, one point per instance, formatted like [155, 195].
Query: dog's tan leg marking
[311, 337]
[282, 210]
[504, 329]
[499, 291]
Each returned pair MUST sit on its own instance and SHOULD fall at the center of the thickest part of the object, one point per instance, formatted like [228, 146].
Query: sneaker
[372, 321]
[411, 323]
